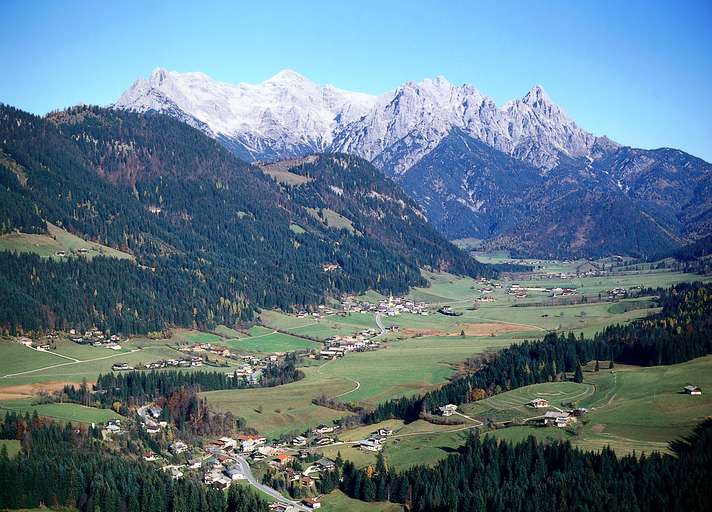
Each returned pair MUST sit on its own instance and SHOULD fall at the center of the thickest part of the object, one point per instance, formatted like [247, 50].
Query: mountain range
[522, 176]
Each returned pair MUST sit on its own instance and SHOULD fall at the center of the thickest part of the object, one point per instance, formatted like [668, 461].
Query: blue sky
[639, 72]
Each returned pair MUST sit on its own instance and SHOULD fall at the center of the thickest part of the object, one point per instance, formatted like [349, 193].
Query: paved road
[245, 469]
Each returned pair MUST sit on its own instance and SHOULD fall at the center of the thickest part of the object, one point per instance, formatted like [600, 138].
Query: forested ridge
[681, 331]
[378, 208]
[211, 234]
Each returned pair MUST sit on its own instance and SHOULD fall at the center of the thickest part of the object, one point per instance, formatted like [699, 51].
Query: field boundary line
[55, 354]
[68, 364]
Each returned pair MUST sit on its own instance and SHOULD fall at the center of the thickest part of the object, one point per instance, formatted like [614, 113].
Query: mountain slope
[375, 207]
[213, 237]
[509, 160]
[467, 189]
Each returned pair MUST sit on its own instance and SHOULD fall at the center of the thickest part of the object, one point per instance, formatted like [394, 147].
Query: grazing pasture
[630, 408]
[65, 412]
[282, 409]
[56, 240]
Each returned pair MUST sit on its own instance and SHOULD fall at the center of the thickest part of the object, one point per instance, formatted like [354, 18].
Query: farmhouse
[325, 464]
[558, 419]
[311, 503]
[323, 429]
[120, 366]
[178, 447]
[693, 390]
[234, 473]
[299, 441]
[447, 410]
[250, 443]
[538, 403]
[371, 444]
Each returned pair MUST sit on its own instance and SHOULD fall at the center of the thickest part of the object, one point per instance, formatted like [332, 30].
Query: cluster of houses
[519, 291]
[337, 346]
[562, 292]
[207, 348]
[39, 345]
[82, 250]
[322, 435]
[555, 417]
[162, 363]
[219, 464]
[252, 367]
[95, 338]
[391, 306]
[622, 293]
[322, 311]
[374, 442]
[150, 417]
[447, 410]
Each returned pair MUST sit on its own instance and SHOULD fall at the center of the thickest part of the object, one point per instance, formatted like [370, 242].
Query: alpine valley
[522, 176]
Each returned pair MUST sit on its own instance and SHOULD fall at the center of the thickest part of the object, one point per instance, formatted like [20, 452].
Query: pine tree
[578, 375]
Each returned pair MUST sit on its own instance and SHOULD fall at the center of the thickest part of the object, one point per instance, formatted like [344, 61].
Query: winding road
[245, 469]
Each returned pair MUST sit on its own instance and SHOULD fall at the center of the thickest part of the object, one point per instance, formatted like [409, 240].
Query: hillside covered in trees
[214, 238]
[487, 475]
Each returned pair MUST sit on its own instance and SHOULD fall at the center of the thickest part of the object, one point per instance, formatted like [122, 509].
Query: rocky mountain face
[477, 170]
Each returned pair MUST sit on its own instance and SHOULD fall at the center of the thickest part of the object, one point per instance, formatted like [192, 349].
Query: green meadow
[56, 239]
[65, 412]
[12, 446]
[630, 408]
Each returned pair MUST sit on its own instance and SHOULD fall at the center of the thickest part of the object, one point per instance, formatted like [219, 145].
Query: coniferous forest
[213, 238]
[65, 466]
[140, 387]
[487, 475]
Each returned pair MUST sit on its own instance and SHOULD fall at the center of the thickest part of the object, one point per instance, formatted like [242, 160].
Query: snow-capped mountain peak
[288, 115]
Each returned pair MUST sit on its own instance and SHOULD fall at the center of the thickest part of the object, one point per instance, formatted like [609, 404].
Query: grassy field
[63, 412]
[21, 365]
[512, 404]
[266, 340]
[631, 408]
[404, 367]
[337, 501]
[282, 409]
[12, 446]
[415, 443]
[56, 240]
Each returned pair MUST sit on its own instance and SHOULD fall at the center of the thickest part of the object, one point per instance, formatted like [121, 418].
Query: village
[294, 465]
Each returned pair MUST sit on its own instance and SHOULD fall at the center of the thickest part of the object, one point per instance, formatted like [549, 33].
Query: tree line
[488, 475]
[141, 387]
